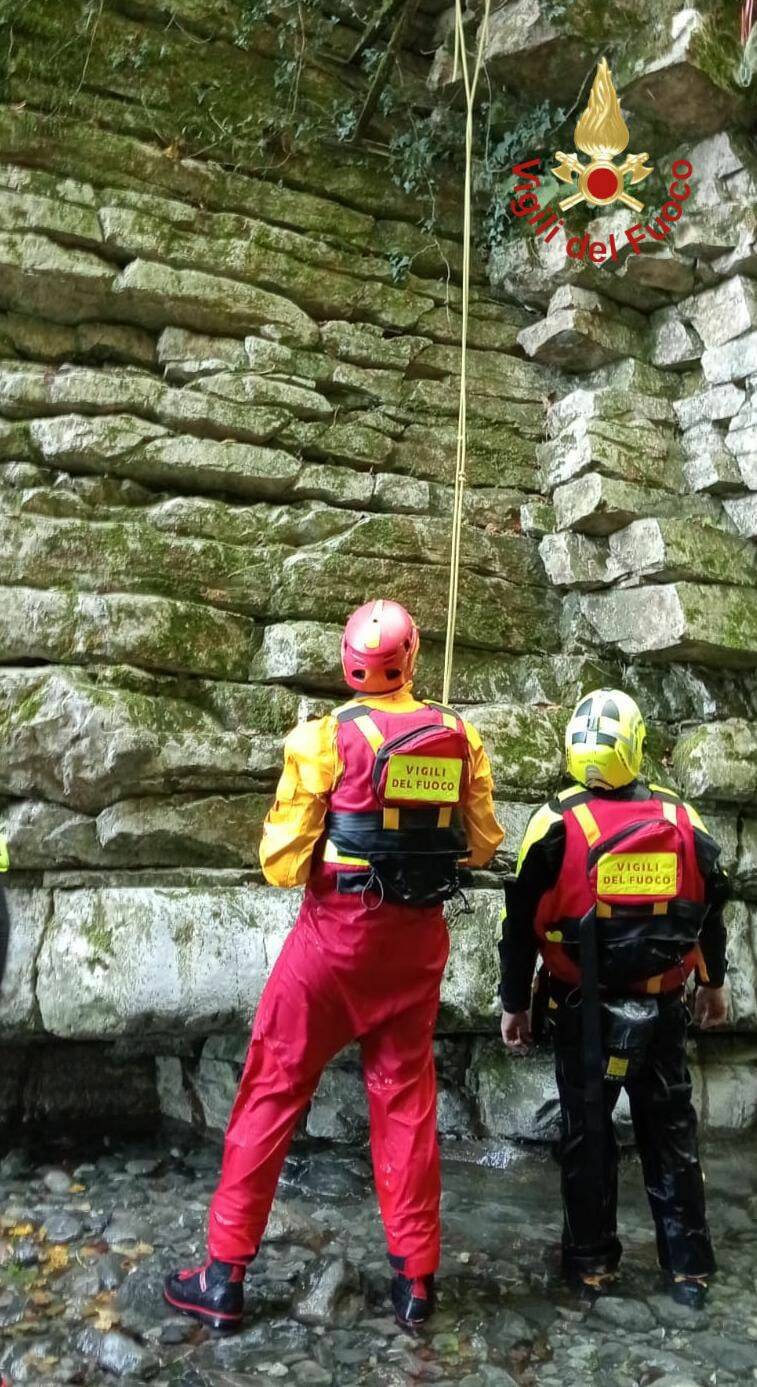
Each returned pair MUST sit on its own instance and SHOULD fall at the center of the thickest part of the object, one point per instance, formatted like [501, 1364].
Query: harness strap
[586, 822]
[591, 1044]
[371, 731]
[449, 718]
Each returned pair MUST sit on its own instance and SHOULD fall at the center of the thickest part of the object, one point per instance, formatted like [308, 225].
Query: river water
[87, 1236]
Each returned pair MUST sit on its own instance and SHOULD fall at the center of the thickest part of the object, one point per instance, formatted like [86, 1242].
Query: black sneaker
[413, 1299]
[213, 1294]
[688, 1290]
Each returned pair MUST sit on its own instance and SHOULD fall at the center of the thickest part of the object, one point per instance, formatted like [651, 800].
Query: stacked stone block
[225, 420]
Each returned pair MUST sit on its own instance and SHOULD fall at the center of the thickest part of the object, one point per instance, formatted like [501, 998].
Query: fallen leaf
[41, 1298]
[77, 1189]
[106, 1320]
[56, 1258]
[20, 1230]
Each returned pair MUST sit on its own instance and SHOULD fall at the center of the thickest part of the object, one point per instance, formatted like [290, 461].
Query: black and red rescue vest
[394, 822]
[635, 863]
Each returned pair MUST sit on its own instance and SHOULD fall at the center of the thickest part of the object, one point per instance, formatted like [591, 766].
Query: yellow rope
[470, 83]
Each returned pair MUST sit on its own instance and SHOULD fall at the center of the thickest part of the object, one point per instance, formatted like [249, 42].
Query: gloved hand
[710, 1007]
[516, 1029]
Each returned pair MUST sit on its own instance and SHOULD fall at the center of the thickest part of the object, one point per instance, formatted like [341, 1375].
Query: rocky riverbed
[87, 1236]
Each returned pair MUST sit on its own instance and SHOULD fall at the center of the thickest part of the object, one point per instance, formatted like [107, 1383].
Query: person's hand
[710, 1007]
[516, 1029]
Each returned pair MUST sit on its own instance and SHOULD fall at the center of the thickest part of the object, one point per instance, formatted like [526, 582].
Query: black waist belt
[358, 833]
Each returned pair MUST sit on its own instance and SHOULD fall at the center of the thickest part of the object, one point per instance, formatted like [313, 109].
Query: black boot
[592, 1285]
[688, 1290]
[413, 1299]
[213, 1294]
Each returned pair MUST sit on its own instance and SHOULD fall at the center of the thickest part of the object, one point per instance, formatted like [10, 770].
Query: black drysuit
[664, 1120]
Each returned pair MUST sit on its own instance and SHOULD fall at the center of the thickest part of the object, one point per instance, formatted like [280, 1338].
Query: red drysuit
[352, 968]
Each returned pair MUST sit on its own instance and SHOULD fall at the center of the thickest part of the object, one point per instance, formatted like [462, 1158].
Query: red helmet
[379, 647]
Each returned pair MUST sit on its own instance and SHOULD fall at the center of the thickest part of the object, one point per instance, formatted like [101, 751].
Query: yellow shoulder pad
[694, 818]
[473, 735]
[664, 790]
[538, 825]
[312, 748]
[571, 792]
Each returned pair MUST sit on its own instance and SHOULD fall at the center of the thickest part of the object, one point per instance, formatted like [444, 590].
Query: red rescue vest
[635, 863]
[394, 812]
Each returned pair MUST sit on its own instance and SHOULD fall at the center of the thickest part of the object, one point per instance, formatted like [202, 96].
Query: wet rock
[58, 1181]
[63, 1228]
[118, 1354]
[339, 1109]
[144, 1165]
[26, 1253]
[308, 1373]
[624, 1313]
[125, 1227]
[328, 1293]
[736, 1357]
[111, 1271]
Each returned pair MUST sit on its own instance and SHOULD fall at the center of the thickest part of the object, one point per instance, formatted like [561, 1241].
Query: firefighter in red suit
[619, 887]
[377, 806]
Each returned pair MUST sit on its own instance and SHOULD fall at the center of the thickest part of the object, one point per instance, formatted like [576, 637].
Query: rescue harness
[394, 826]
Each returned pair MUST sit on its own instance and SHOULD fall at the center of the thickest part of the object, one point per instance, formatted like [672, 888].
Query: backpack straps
[449, 718]
[361, 716]
[586, 822]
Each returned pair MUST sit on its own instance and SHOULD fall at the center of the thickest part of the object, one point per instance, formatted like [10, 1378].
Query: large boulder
[157, 961]
[707, 624]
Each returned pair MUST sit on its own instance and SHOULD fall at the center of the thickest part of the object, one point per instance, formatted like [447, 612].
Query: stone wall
[227, 416]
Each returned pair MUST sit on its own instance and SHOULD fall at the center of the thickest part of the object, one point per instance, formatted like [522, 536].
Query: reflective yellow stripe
[604, 911]
[669, 811]
[445, 816]
[701, 965]
[332, 854]
[373, 735]
[571, 792]
[587, 823]
[4, 859]
[694, 819]
[449, 720]
[659, 908]
[391, 818]
[654, 984]
[538, 825]
[663, 790]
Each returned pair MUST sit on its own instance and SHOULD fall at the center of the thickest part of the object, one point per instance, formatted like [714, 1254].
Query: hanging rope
[470, 82]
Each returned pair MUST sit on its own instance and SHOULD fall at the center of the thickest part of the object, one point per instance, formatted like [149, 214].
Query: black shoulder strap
[447, 713]
[350, 711]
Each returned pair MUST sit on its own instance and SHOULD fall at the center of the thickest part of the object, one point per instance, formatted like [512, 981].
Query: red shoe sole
[214, 1319]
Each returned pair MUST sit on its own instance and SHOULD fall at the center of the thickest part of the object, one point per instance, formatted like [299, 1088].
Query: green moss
[99, 936]
[716, 49]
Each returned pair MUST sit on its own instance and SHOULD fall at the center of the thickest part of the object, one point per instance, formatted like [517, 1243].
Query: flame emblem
[602, 133]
